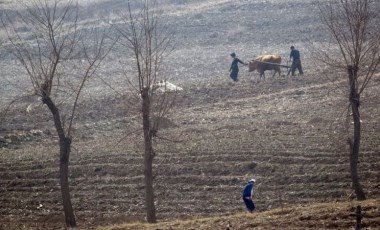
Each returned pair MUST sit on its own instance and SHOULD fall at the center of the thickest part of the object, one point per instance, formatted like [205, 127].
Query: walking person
[248, 195]
[234, 70]
[295, 56]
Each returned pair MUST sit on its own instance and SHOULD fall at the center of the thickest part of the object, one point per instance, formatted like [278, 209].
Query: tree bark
[64, 150]
[354, 143]
[148, 157]
[359, 217]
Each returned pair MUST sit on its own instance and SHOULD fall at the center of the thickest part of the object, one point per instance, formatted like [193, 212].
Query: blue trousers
[296, 65]
[234, 75]
[249, 203]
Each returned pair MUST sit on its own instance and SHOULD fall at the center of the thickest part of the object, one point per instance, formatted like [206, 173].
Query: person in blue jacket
[247, 195]
[234, 70]
[296, 64]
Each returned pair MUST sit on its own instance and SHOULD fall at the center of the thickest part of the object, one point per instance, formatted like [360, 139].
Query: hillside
[340, 215]
[288, 133]
[284, 132]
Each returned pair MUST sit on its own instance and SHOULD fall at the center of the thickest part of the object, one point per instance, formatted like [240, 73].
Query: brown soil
[314, 216]
[288, 133]
[291, 142]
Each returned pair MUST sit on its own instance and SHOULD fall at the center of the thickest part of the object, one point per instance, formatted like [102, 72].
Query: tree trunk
[359, 217]
[355, 142]
[64, 150]
[148, 157]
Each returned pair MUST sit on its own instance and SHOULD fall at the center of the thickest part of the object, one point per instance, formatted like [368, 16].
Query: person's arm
[241, 61]
[291, 55]
[252, 191]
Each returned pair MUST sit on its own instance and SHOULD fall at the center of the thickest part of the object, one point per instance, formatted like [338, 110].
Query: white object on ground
[165, 86]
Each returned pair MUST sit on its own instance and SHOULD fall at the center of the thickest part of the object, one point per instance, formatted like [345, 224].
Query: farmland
[289, 132]
[316, 216]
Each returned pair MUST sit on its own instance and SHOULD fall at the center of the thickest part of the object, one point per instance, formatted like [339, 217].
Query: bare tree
[353, 25]
[49, 55]
[147, 40]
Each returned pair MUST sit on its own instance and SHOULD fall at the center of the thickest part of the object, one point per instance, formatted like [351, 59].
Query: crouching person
[248, 194]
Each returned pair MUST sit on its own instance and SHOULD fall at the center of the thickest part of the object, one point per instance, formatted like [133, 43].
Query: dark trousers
[249, 203]
[234, 75]
[296, 65]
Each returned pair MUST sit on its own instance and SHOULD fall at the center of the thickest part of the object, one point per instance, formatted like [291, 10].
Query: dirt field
[286, 138]
[288, 133]
[317, 216]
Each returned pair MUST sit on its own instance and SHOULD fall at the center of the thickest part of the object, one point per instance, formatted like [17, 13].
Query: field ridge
[334, 215]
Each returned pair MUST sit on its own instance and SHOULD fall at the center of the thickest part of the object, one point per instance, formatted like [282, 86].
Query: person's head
[233, 55]
[252, 181]
[292, 47]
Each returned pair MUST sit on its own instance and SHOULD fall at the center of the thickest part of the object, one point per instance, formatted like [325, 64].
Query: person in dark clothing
[296, 64]
[234, 70]
[247, 195]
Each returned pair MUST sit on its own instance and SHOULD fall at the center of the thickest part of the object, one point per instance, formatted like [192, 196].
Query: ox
[262, 63]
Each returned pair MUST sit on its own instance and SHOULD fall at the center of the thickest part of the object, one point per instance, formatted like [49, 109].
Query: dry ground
[340, 215]
[289, 134]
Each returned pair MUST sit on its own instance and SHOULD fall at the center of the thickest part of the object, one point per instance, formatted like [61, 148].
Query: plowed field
[288, 133]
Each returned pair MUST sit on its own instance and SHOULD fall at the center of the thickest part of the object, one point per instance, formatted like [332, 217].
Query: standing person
[234, 70]
[296, 64]
[247, 195]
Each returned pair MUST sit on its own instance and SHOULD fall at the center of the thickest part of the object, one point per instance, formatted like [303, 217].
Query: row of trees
[60, 56]
[49, 58]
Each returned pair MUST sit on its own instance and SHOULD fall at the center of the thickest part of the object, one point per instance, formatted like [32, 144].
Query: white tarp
[165, 86]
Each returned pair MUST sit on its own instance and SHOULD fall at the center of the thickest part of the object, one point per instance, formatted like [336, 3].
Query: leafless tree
[354, 27]
[147, 40]
[58, 61]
